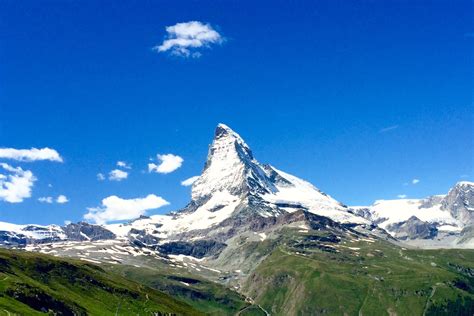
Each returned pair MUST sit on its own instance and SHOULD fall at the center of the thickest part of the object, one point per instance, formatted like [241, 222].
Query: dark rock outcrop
[414, 228]
[83, 231]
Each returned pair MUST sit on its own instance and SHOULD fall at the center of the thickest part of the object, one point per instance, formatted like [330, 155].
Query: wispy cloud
[189, 181]
[46, 199]
[388, 129]
[61, 199]
[16, 184]
[100, 176]
[123, 164]
[187, 38]
[168, 163]
[118, 175]
[114, 208]
[415, 181]
[402, 196]
[33, 154]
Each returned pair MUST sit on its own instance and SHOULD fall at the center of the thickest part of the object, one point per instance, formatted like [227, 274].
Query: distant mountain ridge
[437, 221]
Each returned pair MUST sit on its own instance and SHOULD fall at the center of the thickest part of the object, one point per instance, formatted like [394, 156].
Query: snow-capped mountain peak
[234, 184]
[231, 167]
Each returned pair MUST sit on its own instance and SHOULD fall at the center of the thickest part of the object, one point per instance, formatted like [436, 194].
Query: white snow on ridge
[395, 211]
[221, 205]
[11, 227]
[465, 183]
[34, 231]
[305, 194]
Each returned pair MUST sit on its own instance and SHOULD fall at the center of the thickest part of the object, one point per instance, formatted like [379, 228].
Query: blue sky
[358, 97]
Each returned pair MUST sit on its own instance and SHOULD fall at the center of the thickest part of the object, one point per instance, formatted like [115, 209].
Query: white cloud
[61, 199]
[32, 154]
[100, 177]
[189, 181]
[387, 129]
[415, 181]
[402, 196]
[168, 163]
[114, 208]
[46, 199]
[185, 39]
[117, 175]
[16, 185]
[123, 164]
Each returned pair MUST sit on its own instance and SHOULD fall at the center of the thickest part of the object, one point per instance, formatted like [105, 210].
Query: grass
[208, 297]
[35, 284]
[363, 278]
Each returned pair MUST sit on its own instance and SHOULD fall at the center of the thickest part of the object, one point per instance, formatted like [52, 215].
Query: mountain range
[234, 186]
[271, 236]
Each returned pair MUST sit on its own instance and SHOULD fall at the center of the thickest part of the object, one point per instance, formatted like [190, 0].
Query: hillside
[32, 283]
[206, 296]
[361, 277]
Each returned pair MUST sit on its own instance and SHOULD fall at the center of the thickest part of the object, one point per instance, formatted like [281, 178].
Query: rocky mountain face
[460, 203]
[413, 228]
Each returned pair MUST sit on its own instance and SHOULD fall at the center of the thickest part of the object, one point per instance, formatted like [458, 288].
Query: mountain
[235, 190]
[252, 232]
[436, 221]
[22, 235]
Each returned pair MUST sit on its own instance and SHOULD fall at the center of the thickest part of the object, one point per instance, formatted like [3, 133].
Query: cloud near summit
[188, 38]
[114, 208]
[168, 163]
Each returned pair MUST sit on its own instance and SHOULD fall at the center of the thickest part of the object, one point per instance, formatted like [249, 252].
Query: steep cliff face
[460, 203]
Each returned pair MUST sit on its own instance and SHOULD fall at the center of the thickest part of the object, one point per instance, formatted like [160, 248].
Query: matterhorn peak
[233, 177]
[224, 134]
[227, 164]
[223, 130]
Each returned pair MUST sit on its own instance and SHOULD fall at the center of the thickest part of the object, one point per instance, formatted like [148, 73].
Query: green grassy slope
[31, 283]
[206, 296]
[364, 277]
